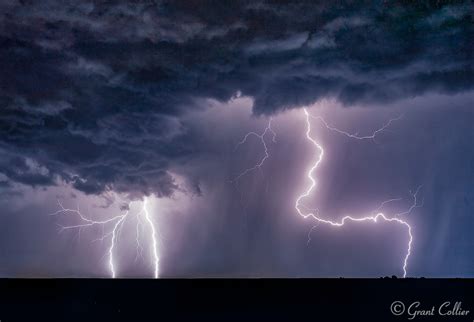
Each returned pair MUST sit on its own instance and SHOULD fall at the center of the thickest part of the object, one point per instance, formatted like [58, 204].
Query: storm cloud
[96, 94]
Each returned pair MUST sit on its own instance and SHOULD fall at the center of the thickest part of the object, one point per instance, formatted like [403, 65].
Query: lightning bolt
[375, 215]
[112, 228]
[370, 218]
[414, 204]
[355, 135]
[261, 137]
[153, 237]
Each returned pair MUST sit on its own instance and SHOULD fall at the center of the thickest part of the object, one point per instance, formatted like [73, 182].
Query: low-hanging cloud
[93, 94]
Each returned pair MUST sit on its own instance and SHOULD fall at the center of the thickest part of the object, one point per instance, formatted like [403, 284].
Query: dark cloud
[93, 93]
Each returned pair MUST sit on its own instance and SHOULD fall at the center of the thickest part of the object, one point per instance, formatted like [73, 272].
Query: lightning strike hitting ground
[112, 228]
[261, 137]
[153, 237]
[371, 218]
[375, 216]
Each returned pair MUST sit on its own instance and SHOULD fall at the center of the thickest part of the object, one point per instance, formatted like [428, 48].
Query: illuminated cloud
[151, 99]
[95, 92]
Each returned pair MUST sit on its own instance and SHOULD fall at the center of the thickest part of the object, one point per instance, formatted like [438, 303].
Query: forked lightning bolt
[313, 213]
[355, 135]
[112, 228]
[372, 218]
[261, 137]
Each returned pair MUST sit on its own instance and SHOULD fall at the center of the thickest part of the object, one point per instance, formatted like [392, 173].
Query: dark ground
[228, 300]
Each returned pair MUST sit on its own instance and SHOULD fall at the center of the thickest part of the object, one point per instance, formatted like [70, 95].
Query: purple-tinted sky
[104, 105]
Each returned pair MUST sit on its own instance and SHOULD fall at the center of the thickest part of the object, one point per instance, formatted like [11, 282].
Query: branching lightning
[306, 212]
[355, 136]
[111, 230]
[373, 218]
[414, 204]
[261, 137]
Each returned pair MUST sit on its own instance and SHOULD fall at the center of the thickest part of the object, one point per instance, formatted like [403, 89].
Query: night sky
[108, 106]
